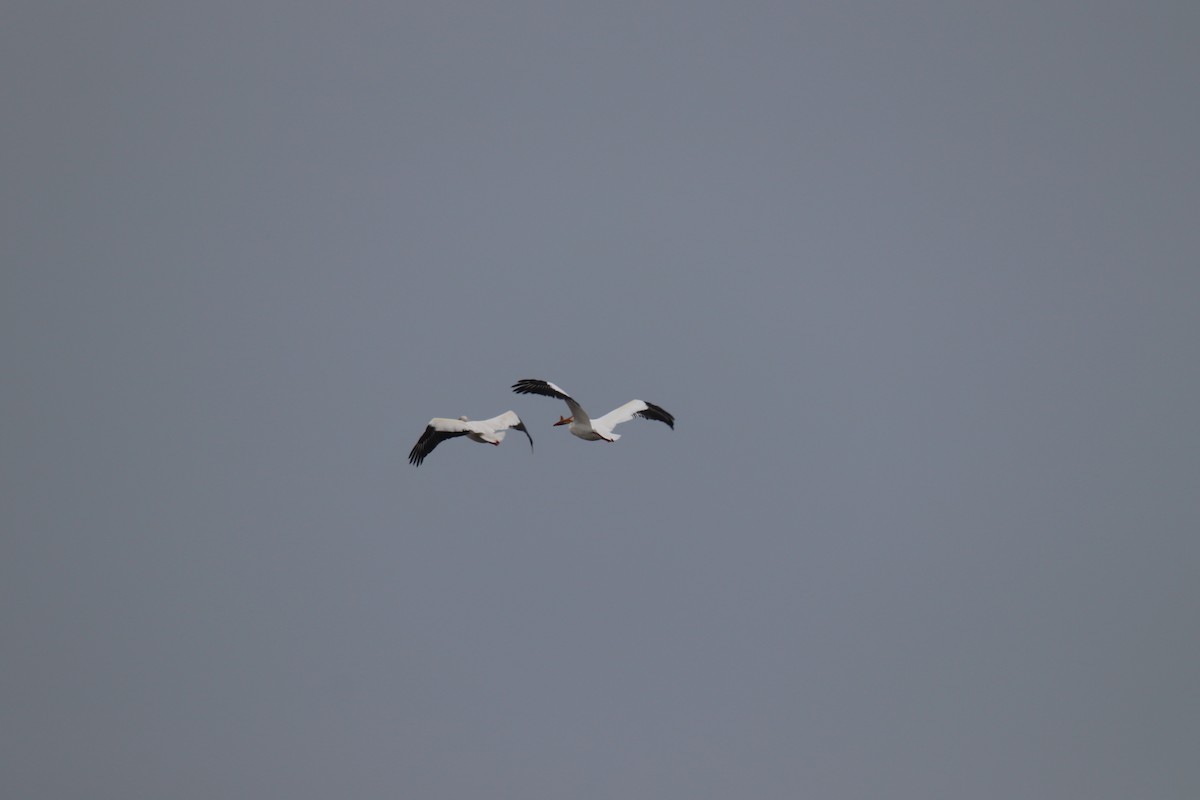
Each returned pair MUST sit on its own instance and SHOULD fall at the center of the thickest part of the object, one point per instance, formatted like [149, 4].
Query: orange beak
[563, 421]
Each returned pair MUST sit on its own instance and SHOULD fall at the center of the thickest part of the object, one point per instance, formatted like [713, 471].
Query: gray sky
[919, 282]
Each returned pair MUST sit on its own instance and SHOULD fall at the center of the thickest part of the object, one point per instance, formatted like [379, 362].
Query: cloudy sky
[919, 282]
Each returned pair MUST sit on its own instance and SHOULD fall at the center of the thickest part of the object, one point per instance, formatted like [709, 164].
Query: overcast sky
[919, 281]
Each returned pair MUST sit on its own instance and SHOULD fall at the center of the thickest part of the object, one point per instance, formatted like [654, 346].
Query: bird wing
[548, 389]
[635, 408]
[503, 422]
[437, 431]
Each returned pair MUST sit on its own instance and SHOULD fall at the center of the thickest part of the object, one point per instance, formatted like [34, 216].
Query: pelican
[484, 431]
[600, 428]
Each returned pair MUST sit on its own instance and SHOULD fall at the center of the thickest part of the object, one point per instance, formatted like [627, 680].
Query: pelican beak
[562, 421]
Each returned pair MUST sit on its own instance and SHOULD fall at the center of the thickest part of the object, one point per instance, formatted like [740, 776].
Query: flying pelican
[593, 430]
[484, 431]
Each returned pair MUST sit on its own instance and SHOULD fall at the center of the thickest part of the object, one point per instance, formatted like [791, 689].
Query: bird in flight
[600, 428]
[484, 431]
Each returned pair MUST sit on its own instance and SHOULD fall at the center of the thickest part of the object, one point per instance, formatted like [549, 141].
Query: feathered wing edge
[430, 439]
[548, 389]
[536, 386]
[520, 426]
[658, 414]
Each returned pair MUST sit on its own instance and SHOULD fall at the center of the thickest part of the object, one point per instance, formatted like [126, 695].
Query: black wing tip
[421, 448]
[528, 386]
[430, 439]
[520, 426]
[659, 414]
[537, 386]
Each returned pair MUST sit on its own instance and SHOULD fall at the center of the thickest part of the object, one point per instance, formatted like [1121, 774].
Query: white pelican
[484, 431]
[593, 430]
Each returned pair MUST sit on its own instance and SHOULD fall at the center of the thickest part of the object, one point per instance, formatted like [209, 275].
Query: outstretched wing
[508, 419]
[437, 431]
[635, 408]
[548, 389]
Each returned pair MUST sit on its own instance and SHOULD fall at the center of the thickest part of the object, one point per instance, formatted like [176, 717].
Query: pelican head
[563, 421]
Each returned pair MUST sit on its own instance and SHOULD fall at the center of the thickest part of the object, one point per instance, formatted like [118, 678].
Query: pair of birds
[491, 431]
